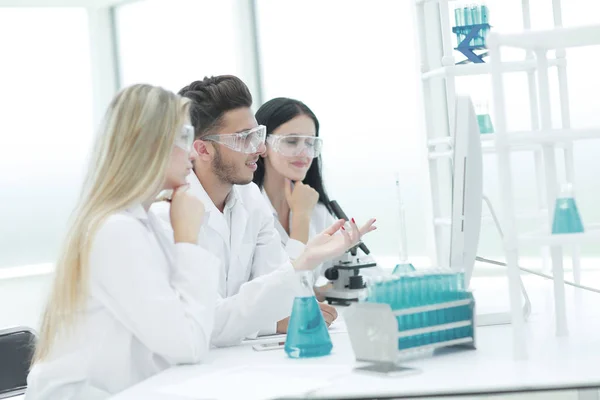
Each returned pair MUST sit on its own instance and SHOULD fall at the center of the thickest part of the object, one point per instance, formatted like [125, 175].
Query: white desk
[554, 363]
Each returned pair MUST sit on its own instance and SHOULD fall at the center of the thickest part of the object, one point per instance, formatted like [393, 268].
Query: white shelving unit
[439, 74]
[538, 43]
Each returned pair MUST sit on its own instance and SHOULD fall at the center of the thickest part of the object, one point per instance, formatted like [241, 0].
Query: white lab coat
[257, 283]
[320, 220]
[150, 305]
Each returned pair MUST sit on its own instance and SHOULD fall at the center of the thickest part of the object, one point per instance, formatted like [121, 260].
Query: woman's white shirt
[151, 305]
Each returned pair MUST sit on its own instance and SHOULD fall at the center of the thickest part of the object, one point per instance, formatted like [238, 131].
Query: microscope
[348, 284]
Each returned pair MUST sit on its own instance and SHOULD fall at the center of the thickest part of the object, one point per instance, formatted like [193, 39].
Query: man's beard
[226, 172]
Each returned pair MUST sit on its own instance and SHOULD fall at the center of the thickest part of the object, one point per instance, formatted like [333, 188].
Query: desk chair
[16, 351]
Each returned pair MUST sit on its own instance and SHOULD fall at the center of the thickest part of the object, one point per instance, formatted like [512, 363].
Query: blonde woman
[127, 302]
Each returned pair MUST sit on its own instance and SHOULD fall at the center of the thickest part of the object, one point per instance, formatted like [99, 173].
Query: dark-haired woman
[289, 173]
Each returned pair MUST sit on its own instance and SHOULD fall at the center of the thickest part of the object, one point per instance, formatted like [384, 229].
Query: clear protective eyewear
[247, 142]
[295, 145]
[185, 139]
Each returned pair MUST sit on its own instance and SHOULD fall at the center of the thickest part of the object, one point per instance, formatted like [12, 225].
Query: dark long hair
[277, 112]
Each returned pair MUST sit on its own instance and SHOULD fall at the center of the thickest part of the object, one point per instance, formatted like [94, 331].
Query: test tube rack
[468, 45]
[385, 330]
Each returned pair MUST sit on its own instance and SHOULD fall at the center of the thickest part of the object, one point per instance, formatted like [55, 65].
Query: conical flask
[307, 331]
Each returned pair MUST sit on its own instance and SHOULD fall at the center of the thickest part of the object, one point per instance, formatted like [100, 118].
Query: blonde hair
[128, 166]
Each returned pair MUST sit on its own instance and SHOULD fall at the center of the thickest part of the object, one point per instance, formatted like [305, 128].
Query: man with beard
[258, 281]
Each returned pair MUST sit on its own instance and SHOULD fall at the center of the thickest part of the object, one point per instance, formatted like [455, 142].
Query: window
[354, 65]
[172, 43]
[46, 128]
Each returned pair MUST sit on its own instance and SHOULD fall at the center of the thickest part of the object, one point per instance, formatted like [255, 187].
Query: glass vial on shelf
[566, 214]
[484, 119]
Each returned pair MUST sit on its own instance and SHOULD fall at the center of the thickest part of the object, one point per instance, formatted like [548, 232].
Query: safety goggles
[247, 142]
[185, 139]
[296, 145]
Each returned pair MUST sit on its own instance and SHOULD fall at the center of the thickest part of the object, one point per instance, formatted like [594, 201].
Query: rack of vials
[471, 26]
[416, 311]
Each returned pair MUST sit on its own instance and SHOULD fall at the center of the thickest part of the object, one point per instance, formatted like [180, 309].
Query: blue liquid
[477, 19]
[485, 18]
[403, 269]
[484, 11]
[459, 21]
[459, 18]
[414, 290]
[468, 16]
[460, 35]
[566, 217]
[307, 332]
[476, 15]
[485, 123]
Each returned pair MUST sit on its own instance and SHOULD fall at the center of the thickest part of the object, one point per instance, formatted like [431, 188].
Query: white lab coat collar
[266, 196]
[154, 224]
[232, 237]
[285, 237]
[138, 212]
[198, 190]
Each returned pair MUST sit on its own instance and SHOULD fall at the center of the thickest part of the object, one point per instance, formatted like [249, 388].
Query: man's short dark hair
[212, 98]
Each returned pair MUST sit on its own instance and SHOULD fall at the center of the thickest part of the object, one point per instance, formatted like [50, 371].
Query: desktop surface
[553, 364]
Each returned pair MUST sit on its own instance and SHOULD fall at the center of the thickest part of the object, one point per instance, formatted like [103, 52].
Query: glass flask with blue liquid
[483, 118]
[403, 268]
[307, 335]
[566, 214]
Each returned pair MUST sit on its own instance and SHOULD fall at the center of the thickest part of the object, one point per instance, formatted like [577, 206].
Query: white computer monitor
[467, 189]
[467, 199]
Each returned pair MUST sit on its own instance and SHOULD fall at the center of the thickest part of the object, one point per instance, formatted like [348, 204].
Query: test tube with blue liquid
[458, 291]
[446, 296]
[414, 288]
[402, 298]
[392, 289]
[383, 289]
[468, 18]
[435, 314]
[485, 19]
[397, 293]
[459, 23]
[476, 18]
[462, 311]
[406, 283]
[419, 301]
[467, 15]
[428, 300]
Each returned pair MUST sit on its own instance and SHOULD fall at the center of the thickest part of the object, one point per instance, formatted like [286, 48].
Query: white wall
[172, 43]
[45, 128]
[22, 300]
[357, 71]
